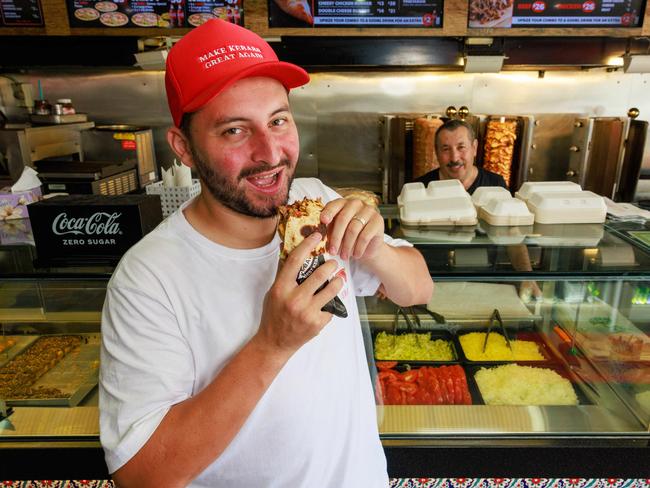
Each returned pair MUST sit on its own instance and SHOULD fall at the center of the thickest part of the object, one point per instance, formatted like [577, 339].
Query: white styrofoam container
[582, 207]
[412, 192]
[529, 188]
[444, 202]
[506, 212]
[446, 189]
[439, 211]
[173, 197]
[484, 194]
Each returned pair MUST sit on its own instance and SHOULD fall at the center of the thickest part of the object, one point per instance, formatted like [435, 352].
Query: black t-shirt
[483, 178]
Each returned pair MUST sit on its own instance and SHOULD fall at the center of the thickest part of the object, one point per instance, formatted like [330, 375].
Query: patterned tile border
[402, 483]
[517, 483]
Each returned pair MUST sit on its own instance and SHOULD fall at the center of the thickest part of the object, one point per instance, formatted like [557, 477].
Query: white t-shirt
[179, 306]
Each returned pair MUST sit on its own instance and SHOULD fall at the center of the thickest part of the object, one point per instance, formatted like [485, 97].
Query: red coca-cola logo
[588, 6]
[538, 6]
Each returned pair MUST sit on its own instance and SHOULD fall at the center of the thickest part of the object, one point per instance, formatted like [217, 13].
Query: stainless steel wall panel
[549, 154]
[335, 111]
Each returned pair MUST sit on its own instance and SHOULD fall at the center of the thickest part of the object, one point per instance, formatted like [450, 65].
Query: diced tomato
[458, 392]
[393, 395]
[410, 376]
[422, 397]
[383, 365]
[409, 388]
[389, 375]
[435, 390]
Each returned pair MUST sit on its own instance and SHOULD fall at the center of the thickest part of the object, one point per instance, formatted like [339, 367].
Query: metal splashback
[337, 112]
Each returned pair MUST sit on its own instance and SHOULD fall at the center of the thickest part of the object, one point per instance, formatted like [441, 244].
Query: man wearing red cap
[217, 368]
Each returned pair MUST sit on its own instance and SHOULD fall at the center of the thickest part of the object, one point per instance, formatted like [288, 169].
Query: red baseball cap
[212, 57]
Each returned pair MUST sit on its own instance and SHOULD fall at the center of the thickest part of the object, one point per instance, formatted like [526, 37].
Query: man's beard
[229, 195]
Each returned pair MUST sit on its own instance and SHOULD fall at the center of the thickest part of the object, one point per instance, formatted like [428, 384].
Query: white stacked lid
[442, 202]
[528, 189]
[497, 207]
[562, 202]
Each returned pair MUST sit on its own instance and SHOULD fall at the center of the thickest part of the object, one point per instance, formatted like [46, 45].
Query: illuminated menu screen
[355, 13]
[555, 13]
[21, 13]
[152, 13]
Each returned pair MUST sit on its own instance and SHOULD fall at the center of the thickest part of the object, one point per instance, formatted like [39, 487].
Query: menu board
[555, 13]
[21, 13]
[355, 13]
[152, 13]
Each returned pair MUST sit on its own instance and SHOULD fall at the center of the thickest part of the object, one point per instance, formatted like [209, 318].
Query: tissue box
[15, 232]
[173, 197]
[14, 205]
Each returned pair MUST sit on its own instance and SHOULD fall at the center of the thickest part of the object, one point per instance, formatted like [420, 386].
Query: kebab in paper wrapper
[298, 221]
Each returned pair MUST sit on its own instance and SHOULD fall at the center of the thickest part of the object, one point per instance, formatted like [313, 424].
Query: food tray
[471, 370]
[11, 352]
[513, 334]
[471, 384]
[437, 334]
[75, 375]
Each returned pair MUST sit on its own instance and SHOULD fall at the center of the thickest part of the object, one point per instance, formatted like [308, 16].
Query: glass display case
[536, 338]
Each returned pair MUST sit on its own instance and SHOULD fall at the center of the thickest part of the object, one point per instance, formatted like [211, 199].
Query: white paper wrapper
[182, 175]
[168, 177]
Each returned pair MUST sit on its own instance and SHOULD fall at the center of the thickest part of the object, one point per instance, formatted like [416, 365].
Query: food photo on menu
[550, 13]
[490, 13]
[150, 13]
[290, 13]
[199, 12]
[153, 13]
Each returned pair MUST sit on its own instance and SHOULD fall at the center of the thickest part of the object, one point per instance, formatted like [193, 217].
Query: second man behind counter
[456, 146]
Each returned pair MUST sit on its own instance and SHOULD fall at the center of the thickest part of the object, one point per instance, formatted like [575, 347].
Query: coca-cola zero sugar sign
[100, 228]
[76, 226]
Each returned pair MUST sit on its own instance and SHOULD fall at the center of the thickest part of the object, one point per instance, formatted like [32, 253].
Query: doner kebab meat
[424, 153]
[500, 137]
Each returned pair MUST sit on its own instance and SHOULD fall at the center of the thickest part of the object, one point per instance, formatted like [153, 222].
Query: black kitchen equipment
[88, 177]
[121, 142]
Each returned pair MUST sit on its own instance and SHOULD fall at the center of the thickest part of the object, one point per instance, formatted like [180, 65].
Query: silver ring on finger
[360, 219]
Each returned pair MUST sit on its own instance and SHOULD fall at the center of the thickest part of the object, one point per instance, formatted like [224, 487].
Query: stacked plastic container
[440, 203]
[562, 202]
[496, 206]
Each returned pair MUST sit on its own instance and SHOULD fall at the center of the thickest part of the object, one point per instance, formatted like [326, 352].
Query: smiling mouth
[455, 165]
[265, 180]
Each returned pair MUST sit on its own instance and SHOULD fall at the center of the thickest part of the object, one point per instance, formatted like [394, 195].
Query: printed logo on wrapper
[336, 305]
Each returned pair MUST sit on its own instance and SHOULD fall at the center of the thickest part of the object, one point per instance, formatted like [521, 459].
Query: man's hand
[292, 313]
[355, 228]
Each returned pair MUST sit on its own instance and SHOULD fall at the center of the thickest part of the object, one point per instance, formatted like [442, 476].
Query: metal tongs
[410, 326]
[414, 323]
[496, 316]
